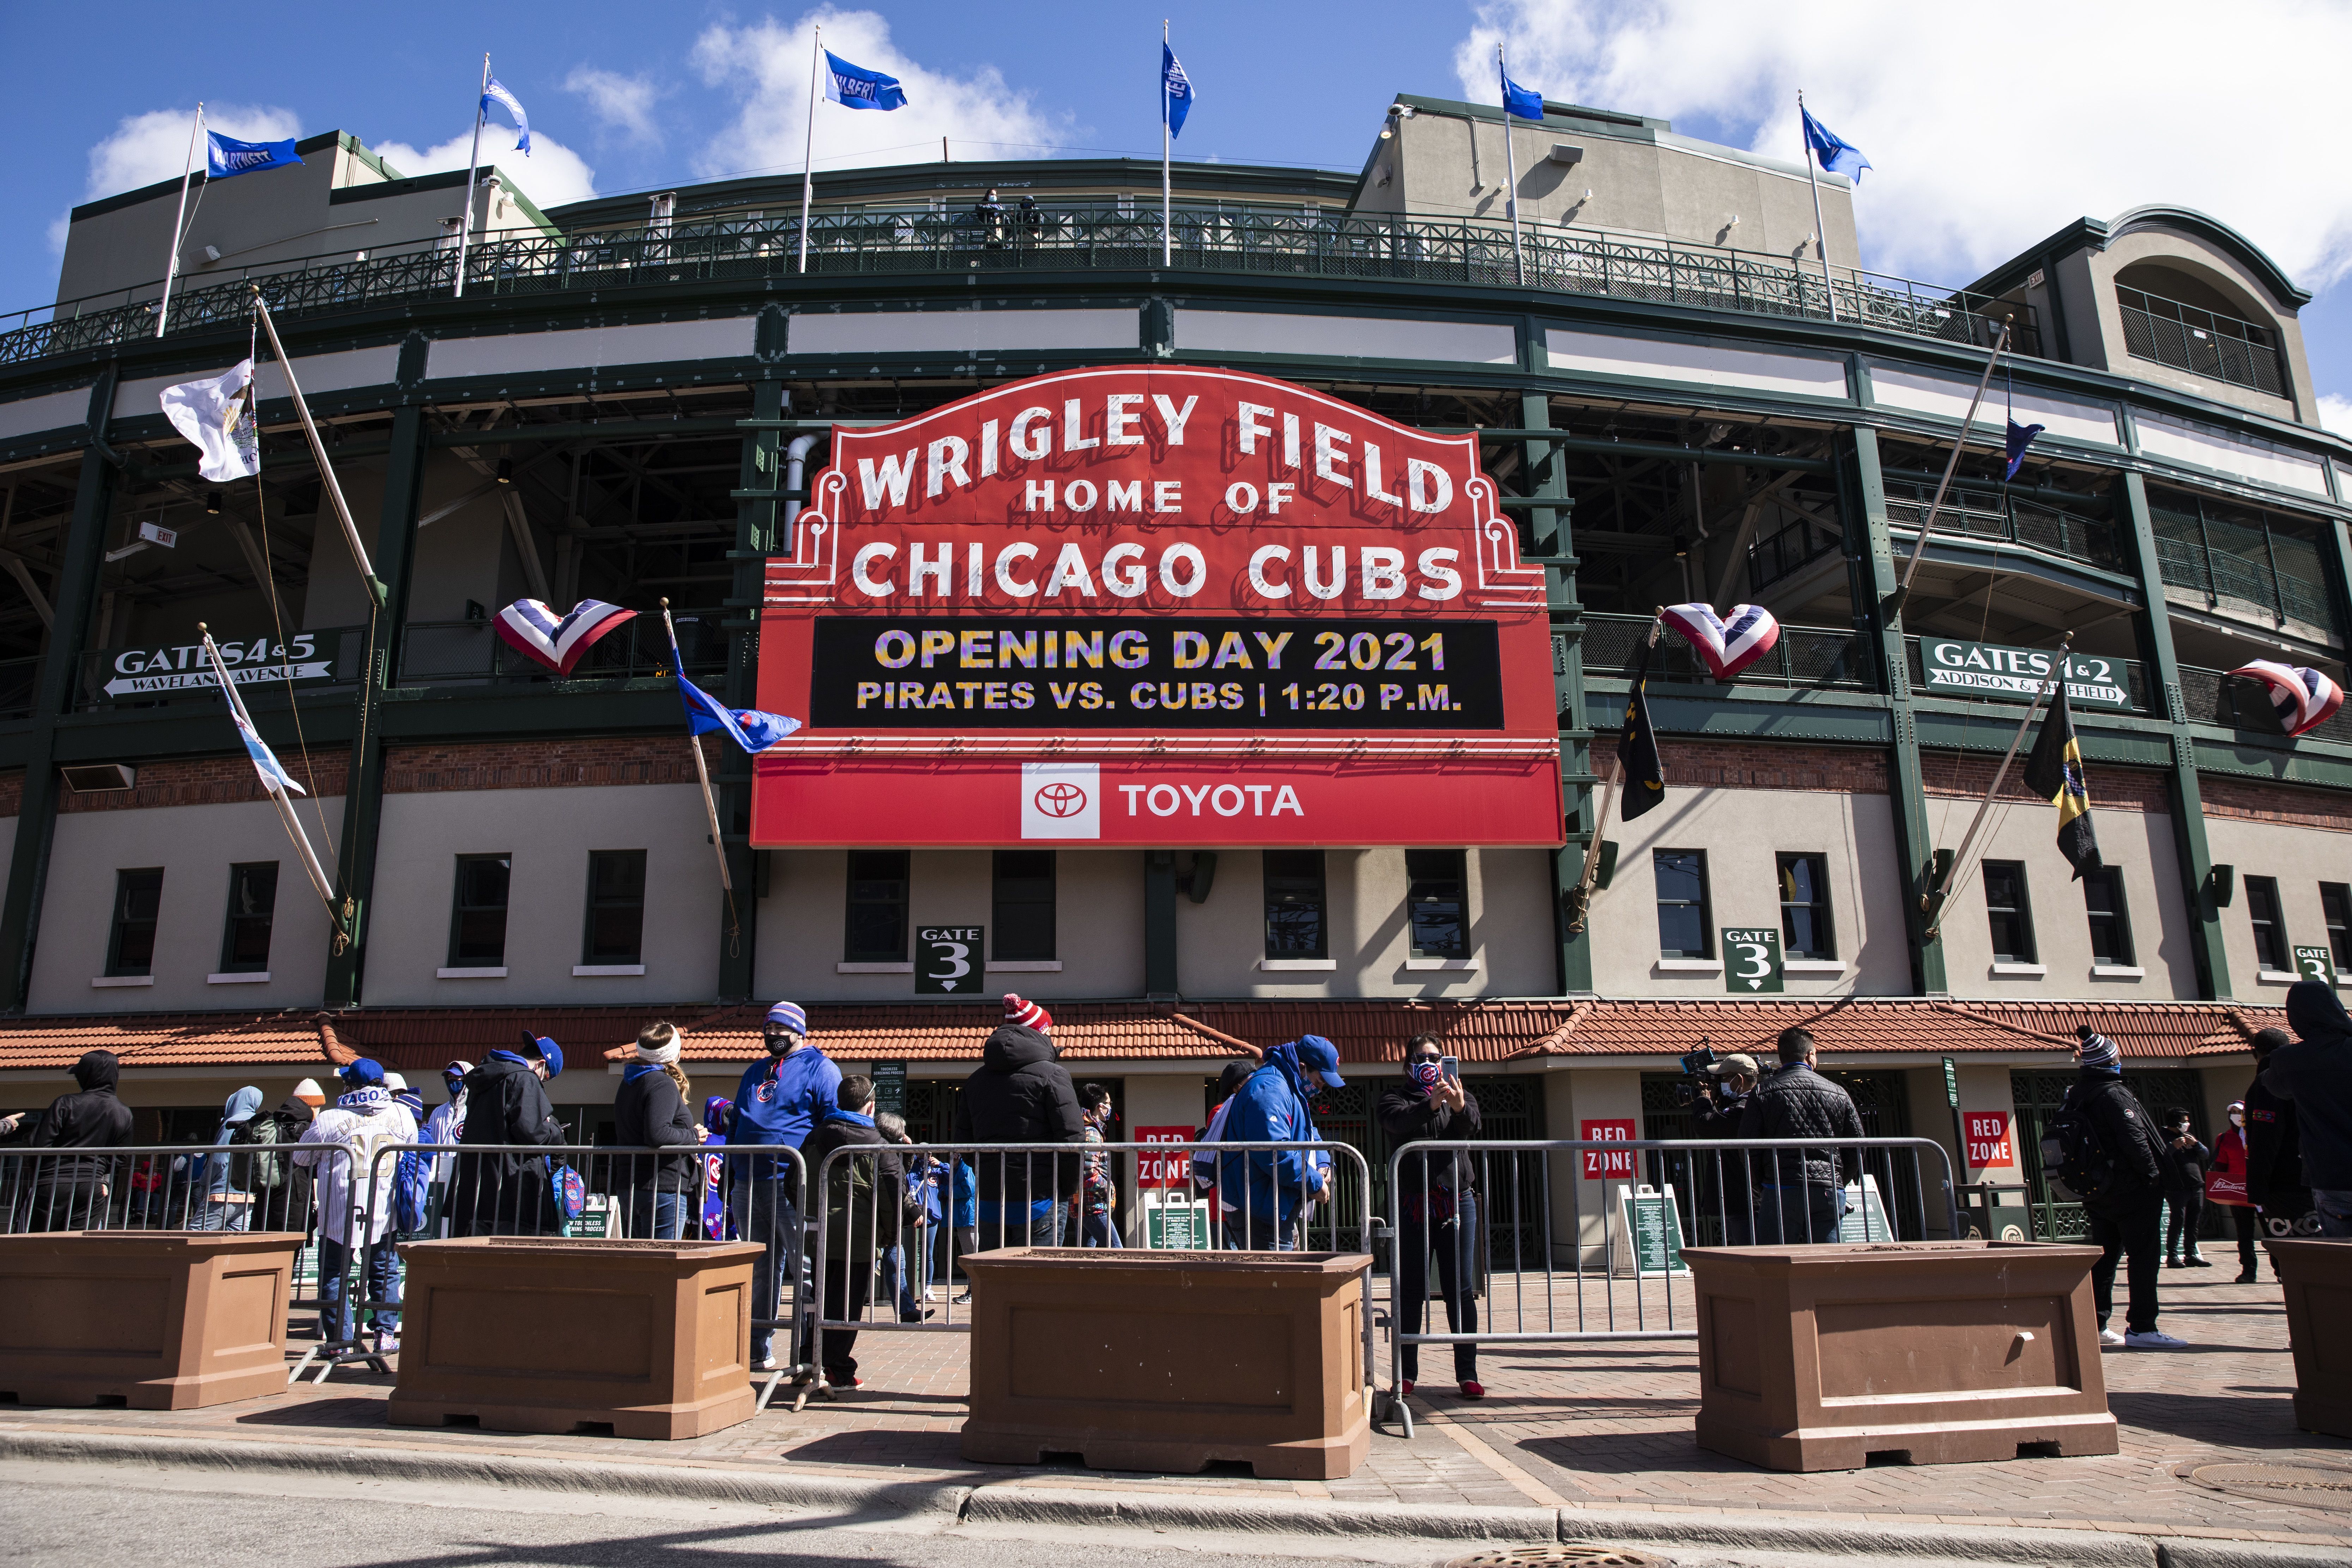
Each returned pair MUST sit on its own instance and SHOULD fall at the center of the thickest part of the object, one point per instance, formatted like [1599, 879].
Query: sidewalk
[1602, 1430]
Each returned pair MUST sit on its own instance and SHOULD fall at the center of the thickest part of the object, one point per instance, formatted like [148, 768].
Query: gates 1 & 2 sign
[1155, 605]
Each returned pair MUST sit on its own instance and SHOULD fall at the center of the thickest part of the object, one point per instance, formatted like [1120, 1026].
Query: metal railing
[865, 243]
[157, 1188]
[1458, 1203]
[1991, 513]
[467, 653]
[1825, 658]
[1267, 1196]
[2210, 698]
[2202, 342]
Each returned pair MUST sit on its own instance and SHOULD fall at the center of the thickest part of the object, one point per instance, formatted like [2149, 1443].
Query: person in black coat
[70, 1192]
[2126, 1215]
[1801, 1194]
[1433, 1192]
[649, 1111]
[1725, 1184]
[865, 1200]
[1020, 1095]
[2274, 1178]
[506, 1193]
[2186, 1158]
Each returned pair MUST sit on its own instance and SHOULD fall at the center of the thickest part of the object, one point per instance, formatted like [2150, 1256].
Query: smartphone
[1450, 1066]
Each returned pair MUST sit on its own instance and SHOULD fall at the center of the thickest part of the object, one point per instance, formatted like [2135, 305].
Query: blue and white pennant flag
[497, 93]
[274, 776]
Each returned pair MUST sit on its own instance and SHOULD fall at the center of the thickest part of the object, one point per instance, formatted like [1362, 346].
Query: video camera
[1696, 1064]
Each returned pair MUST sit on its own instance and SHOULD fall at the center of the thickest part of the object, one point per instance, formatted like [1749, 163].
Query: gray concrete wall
[2218, 269]
[2299, 859]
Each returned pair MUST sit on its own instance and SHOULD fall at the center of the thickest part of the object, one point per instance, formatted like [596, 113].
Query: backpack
[2076, 1156]
[570, 1193]
[412, 1191]
[262, 1171]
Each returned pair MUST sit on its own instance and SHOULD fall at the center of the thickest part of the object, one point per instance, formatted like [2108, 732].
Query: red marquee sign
[1155, 605]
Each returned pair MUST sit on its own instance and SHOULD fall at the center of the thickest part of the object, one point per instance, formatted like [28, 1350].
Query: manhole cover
[2307, 1486]
[1557, 1554]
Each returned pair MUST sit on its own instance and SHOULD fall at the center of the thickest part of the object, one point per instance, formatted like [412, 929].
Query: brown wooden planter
[2317, 1279]
[161, 1319]
[1168, 1360]
[647, 1338]
[1819, 1358]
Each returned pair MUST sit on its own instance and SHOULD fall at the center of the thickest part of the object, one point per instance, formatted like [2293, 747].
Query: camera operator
[1719, 1100]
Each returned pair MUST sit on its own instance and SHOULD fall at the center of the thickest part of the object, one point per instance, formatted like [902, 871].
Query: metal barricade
[713, 1191]
[1489, 1214]
[1186, 1197]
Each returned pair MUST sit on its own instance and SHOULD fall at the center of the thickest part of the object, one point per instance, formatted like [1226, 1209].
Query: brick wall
[2258, 800]
[207, 781]
[544, 764]
[11, 792]
[1966, 776]
[1732, 765]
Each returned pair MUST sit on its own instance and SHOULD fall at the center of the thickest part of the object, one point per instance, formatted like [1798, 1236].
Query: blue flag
[495, 93]
[854, 87]
[2021, 436]
[1837, 155]
[225, 155]
[1523, 101]
[748, 727]
[1175, 91]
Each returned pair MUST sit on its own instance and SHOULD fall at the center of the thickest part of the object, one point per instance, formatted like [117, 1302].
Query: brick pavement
[1603, 1427]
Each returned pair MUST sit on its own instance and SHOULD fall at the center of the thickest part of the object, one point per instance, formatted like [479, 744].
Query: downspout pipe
[795, 461]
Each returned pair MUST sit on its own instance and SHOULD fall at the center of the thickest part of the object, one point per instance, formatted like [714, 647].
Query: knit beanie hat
[787, 1017]
[1027, 1013]
[2098, 1051]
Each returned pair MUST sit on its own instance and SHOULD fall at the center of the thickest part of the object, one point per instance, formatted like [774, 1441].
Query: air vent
[87, 778]
[1562, 153]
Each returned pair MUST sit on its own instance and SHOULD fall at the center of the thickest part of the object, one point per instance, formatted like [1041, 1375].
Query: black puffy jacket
[2126, 1133]
[1020, 1095]
[94, 1119]
[2315, 1071]
[1797, 1102]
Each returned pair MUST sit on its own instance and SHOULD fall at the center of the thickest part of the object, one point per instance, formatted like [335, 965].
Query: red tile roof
[420, 1039]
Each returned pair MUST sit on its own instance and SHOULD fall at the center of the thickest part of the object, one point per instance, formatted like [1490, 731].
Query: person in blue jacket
[779, 1100]
[1263, 1191]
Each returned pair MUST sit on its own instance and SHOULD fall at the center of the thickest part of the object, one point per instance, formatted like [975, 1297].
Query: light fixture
[1386, 133]
[211, 503]
[506, 471]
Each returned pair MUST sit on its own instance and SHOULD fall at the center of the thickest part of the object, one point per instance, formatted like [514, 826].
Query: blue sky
[1972, 164]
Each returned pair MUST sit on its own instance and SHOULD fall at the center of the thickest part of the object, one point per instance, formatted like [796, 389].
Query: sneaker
[2154, 1341]
[2109, 1337]
[963, 1301]
[763, 1364]
[1473, 1389]
[2199, 1260]
[930, 1295]
[1408, 1385]
[387, 1344]
[843, 1381]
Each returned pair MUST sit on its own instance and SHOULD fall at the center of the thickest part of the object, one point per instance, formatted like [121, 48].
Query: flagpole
[285, 807]
[808, 157]
[1927, 525]
[473, 165]
[1167, 140]
[1932, 900]
[1821, 229]
[1581, 900]
[701, 768]
[171, 262]
[1510, 167]
[318, 451]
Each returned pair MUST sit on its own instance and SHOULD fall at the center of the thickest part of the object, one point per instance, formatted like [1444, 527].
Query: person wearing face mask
[2225, 1184]
[1433, 1192]
[778, 1102]
[2186, 1158]
[1263, 1191]
[1097, 1191]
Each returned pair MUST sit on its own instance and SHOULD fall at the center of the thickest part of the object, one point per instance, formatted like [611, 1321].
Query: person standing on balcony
[988, 214]
[1428, 1106]
[779, 1102]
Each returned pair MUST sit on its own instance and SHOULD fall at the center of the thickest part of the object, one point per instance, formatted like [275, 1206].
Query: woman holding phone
[1435, 1193]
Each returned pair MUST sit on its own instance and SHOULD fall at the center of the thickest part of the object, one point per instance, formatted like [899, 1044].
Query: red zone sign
[1155, 605]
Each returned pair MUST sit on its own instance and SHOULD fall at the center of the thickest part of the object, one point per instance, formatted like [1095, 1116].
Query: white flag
[217, 416]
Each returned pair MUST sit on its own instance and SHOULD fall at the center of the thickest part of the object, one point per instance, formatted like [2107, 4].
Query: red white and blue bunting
[1727, 646]
[535, 631]
[2303, 698]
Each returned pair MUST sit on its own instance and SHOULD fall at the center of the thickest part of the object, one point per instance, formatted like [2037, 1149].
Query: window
[252, 901]
[478, 920]
[1682, 927]
[137, 896]
[2005, 908]
[2336, 904]
[1805, 928]
[1294, 904]
[2103, 899]
[1021, 928]
[2270, 929]
[617, 907]
[875, 930]
[1437, 900]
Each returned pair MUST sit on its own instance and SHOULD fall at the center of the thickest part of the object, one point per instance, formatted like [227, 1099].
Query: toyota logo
[1061, 800]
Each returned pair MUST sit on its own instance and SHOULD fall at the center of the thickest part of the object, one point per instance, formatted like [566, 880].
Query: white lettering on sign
[1219, 800]
[1603, 1163]
[1989, 1139]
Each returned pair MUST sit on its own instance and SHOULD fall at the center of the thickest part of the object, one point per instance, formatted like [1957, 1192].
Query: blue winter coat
[1270, 1107]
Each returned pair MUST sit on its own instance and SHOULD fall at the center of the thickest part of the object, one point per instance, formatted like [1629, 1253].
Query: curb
[1010, 1504]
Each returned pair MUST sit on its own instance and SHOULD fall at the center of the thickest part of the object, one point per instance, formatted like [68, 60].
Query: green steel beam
[2186, 800]
[755, 533]
[1862, 485]
[1551, 532]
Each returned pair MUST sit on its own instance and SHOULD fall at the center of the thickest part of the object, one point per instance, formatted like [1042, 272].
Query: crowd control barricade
[888, 1261]
[1562, 1242]
[714, 1192]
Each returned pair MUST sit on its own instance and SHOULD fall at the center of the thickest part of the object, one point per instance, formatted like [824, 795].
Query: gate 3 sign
[1155, 605]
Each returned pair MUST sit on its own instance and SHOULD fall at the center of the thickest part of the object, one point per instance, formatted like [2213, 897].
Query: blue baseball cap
[547, 1050]
[362, 1072]
[788, 1017]
[1315, 1051]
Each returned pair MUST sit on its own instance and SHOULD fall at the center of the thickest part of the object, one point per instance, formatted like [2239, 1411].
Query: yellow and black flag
[1639, 768]
[2054, 772]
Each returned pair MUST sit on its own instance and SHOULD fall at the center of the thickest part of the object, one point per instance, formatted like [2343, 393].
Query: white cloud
[625, 103]
[552, 174]
[2336, 412]
[767, 63]
[1985, 135]
[153, 146]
